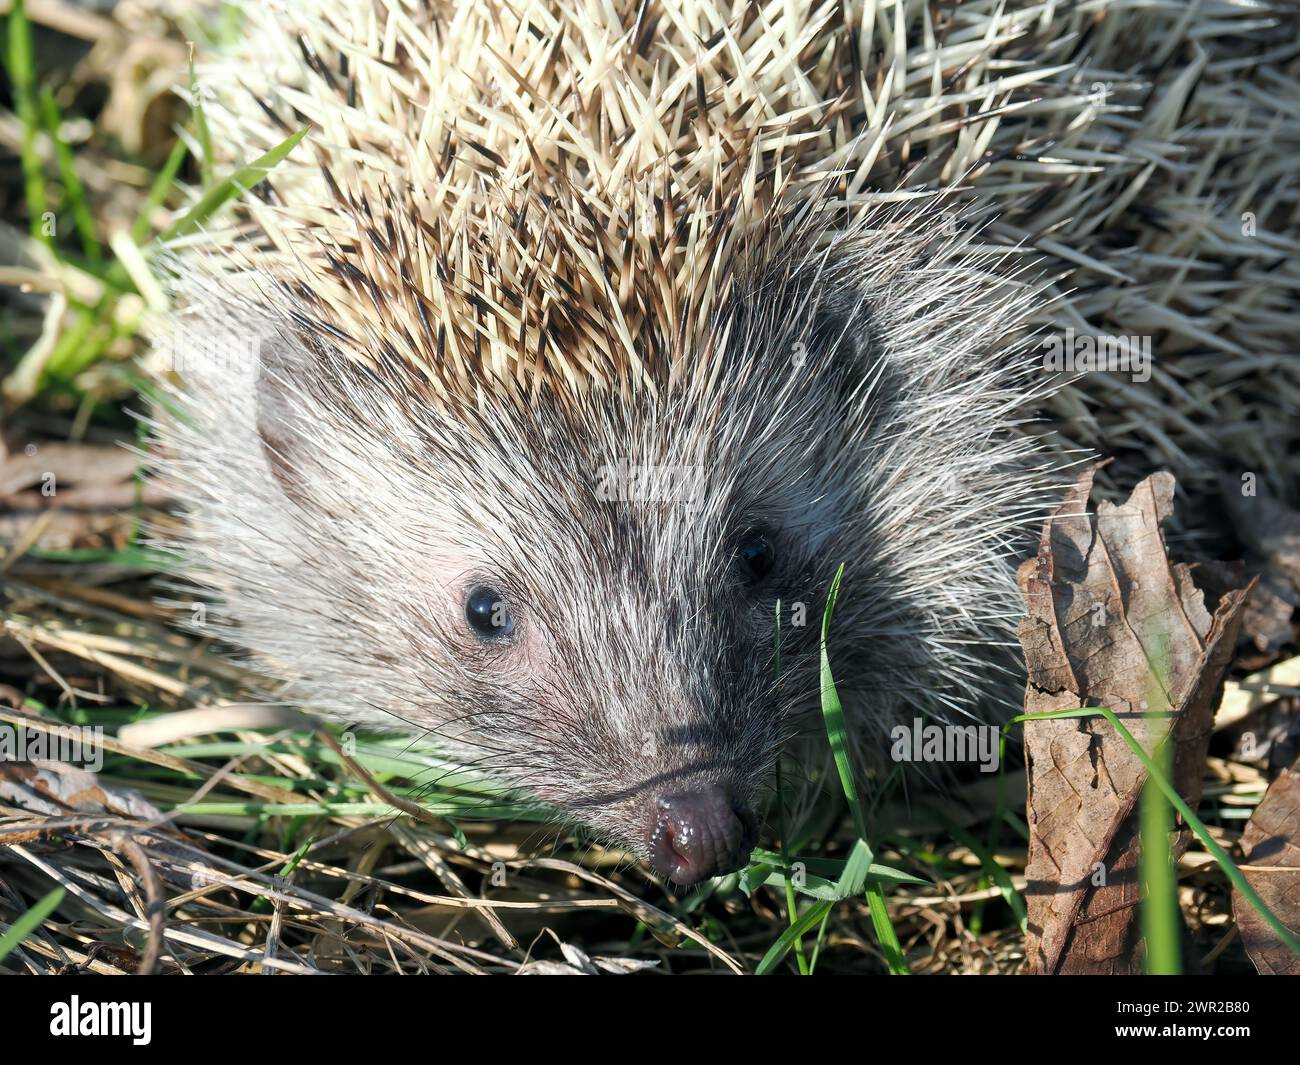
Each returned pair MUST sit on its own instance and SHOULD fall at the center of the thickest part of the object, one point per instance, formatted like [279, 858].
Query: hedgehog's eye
[488, 614]
[755, 556]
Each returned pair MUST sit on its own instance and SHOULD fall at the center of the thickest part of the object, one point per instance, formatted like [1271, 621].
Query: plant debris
[1111, 622]
[1271, 843]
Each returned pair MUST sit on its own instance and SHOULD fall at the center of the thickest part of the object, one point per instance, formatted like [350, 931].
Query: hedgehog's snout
[700, 833]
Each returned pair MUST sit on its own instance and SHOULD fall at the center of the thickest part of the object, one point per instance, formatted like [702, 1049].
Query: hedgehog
[577, 349]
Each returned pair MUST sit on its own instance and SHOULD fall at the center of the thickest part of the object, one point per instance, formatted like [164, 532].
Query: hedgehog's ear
[845, 331]
[283, 427]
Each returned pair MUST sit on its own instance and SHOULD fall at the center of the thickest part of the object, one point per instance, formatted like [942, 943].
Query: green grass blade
[162, 185]
[79, 345]
[241, 180]
[1000, 878]
[885, 932]
[262, 904]
[833, 713]
[200, 126]
[852, 880]
[1158, 911]
[29, 922]
[821, 876]
[131, 557]
[787, 939]
[22, 72]
[837, 734]
[1159, 901]
[856, 869]
[72, 187]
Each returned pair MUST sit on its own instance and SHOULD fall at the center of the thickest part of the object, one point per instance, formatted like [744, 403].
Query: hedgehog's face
[607, 615]
[638, 702]
[586, 605]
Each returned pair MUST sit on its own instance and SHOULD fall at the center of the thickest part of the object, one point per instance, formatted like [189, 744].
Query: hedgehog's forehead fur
[533, 194]
[535, 250]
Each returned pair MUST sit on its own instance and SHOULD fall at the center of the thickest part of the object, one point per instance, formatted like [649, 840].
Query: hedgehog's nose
[699, 834]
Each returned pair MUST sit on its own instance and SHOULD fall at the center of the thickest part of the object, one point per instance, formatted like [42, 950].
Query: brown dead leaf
[1107, 613]
[1271, 844]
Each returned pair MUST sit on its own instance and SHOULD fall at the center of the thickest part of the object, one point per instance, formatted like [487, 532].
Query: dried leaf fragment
[1111, 622]
[1271, 844]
